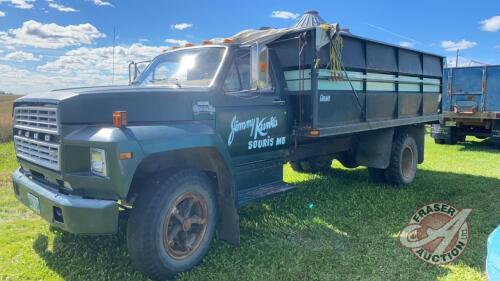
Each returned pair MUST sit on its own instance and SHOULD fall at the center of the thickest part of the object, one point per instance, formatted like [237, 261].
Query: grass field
[6, 117]
[338, 226]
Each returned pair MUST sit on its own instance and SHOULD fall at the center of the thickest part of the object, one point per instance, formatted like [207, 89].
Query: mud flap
[229, 221]
[373, 149]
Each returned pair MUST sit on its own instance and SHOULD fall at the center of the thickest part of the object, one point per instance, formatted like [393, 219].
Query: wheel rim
[407, 161]
[185, 225]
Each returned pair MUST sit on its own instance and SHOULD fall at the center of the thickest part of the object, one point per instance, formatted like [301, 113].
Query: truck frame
[183, 154]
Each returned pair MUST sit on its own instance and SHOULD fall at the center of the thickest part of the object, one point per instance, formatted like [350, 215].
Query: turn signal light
[125, 155]
[189, 45]
[120, 119]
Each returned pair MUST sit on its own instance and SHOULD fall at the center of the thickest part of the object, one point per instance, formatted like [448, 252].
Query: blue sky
[47, 44]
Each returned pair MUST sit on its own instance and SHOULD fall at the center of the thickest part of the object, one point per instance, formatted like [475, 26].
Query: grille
[38, 119]
[36, 130]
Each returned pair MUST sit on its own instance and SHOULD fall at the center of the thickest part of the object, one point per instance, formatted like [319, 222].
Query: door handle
[278, 102]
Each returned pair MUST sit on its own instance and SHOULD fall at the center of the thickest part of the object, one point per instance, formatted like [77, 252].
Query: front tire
[172, 224]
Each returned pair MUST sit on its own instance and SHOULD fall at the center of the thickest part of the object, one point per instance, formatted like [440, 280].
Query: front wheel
[172, 224]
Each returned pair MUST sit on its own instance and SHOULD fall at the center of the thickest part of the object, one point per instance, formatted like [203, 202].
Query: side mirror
[134, 67]
[130, 76]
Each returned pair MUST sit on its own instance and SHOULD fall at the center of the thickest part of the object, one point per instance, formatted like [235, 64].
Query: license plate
[450, 123]
[34, 203]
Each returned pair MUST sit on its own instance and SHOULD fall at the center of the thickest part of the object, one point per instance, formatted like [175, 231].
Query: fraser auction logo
[437, 233]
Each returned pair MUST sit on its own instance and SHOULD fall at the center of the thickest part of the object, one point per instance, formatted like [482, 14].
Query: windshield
[195, 67]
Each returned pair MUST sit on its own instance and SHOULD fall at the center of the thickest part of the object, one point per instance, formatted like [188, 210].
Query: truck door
[251, 115]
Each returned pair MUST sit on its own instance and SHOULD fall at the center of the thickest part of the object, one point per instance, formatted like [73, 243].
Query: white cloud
[176, 41]
[102, 3]
[284, 15]
[181, 26]
[99, 61]
[20, 4]
[51, 35]
[20, 56]
[2, 14]
[453, 46]
[79, 67]
[491, 25]
[60, 7]
[143, 40]
[406, 44]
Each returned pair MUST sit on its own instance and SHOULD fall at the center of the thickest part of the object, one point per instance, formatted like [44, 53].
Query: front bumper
[71, 213]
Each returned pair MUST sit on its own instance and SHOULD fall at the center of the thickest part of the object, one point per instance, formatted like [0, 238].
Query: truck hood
[95, 105]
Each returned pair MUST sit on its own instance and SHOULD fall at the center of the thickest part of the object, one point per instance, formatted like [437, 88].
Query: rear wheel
[172, 224]
[348, 160]
[439, 141]
[311, 165]
[377, 175]
[404, 157]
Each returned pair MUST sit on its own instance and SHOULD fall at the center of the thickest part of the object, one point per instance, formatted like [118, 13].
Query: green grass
[350, 233]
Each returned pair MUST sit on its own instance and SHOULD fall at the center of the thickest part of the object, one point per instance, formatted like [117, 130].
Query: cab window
[238, 77]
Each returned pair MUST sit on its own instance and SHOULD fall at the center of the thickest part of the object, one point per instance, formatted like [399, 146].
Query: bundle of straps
[336, 45]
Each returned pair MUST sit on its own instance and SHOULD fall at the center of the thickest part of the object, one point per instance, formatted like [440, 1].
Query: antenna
[114, 41]
[456, 60]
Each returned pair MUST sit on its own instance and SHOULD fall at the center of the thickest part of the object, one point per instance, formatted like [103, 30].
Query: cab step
[249, 195]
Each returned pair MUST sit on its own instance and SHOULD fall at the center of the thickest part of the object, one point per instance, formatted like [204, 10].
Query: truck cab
[204, 130]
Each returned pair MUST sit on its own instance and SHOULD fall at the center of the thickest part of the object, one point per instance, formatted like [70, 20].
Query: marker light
[125, 155]
[120, 119]
[207, 42]
[228, 41]
[314, 133]
[189, 45]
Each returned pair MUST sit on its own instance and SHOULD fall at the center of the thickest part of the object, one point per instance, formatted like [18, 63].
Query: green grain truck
[204, 130]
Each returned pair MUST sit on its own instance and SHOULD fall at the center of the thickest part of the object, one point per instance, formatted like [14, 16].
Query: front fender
[190, 142]
[143, 141]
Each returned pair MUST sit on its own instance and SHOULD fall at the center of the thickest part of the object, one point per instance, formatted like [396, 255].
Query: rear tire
[347, 160]
[172, 224]
[377, 175]
[404, 158]
[439, 141]
[311, 166]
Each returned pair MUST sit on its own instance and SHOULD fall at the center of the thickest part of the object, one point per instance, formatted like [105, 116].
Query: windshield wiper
[168, 80]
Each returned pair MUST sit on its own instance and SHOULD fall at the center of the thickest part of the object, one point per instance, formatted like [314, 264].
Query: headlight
[98, 162]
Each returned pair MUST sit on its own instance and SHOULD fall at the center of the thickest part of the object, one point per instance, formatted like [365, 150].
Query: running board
[249, 195]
